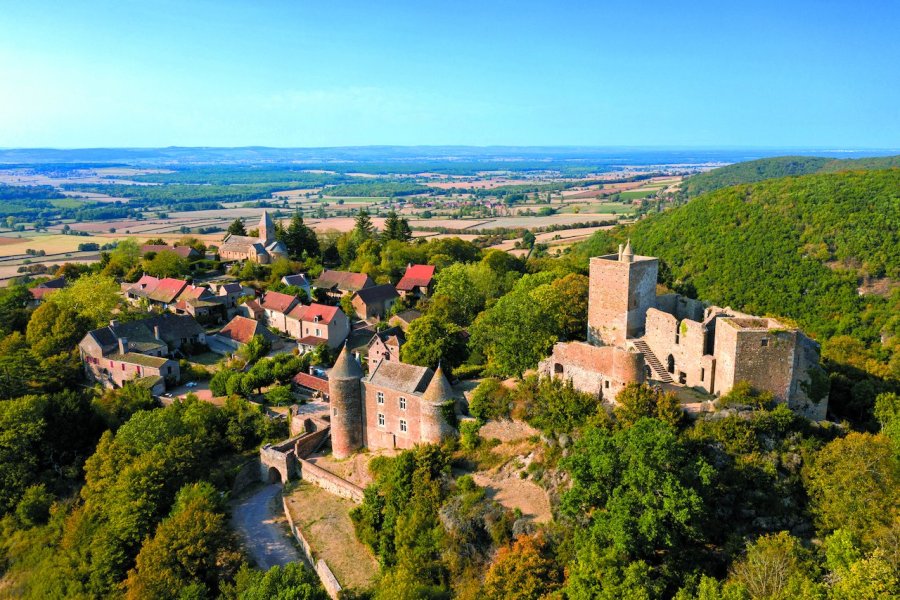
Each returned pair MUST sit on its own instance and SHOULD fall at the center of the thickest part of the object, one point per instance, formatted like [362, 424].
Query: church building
[263, 250]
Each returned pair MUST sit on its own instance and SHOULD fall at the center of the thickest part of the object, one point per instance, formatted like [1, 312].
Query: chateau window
[403, 425]
[764, 342]
[317, 332]
[402, 403]
[380, 397]
[381, 419]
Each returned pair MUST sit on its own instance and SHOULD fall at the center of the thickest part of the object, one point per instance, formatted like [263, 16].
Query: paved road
[265, 538]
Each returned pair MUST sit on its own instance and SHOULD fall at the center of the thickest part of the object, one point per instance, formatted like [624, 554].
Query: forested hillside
[796, 247]
[781, 166]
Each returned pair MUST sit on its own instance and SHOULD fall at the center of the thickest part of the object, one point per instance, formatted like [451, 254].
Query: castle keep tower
[346, 405]
[622, 288]
[434, 428]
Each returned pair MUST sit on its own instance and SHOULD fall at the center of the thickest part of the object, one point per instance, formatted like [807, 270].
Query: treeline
[176, 196]
[782, 166]
[231, 176]
[378, 189]
[28, 192]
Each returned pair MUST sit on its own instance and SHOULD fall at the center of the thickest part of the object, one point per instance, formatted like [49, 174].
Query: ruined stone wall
[306, 444]
[280, 457]
[725, 348]
[681, 307]
[390, 435]
[601, 371]
[329, 482]
[810, 385]
[684, 341]
[765, 358]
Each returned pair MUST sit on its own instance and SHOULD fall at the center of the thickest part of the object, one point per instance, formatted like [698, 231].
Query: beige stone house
[317, 324]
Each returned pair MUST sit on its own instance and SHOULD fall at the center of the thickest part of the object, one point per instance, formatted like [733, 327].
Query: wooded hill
[795, 247]
[780, 166]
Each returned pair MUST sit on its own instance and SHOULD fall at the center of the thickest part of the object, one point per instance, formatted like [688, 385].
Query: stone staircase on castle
[657, 367]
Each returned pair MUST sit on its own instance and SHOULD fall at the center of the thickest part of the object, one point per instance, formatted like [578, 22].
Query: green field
[635, 194]
[67, 203]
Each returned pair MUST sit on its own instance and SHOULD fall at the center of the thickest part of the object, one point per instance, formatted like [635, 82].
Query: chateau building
[264, 249]
[635, 335]
[396, 406]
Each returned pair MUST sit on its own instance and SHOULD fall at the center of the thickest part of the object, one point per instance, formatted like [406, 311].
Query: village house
[396, 406]
[298, 281]
[156, 292]
[385, 345]
[312, 384]
[240, 330]
[229, 293]
[340, 283]
[185, 252]
[252, 310]
[403, 318]
[317, 324]
[635, 335]
[45, 288]
[417, 282]
[276, 306]
[120, 352]
[373, 303]
[263, 250]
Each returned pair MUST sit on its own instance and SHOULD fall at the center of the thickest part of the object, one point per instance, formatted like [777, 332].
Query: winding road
[258, 520]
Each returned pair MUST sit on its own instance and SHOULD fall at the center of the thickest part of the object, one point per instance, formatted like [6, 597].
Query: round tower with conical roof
[346, 405]
[433, 427]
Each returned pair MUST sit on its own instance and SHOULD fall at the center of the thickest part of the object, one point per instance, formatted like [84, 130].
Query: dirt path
[260, 522]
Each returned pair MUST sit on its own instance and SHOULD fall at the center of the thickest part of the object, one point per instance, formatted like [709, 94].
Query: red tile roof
[164, 290]
[312, 382]
[254, 307]
[240, 329]
[39, 293]
[309, 313]
[194, 291]
[278, 302]
[416, 276]
[311, 341]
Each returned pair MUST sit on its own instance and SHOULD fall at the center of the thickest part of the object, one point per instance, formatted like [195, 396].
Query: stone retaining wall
[329, 581]
[329, 481]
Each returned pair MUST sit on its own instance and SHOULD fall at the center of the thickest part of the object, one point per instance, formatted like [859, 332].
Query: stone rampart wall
[329, 581]
[330, 482]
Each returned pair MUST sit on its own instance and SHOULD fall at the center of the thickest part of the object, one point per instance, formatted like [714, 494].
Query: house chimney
[620, 252]
[113, 322]
[156, 332]
[123, 345]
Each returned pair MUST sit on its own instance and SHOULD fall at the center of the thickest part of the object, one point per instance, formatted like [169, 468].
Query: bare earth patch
[325, 522]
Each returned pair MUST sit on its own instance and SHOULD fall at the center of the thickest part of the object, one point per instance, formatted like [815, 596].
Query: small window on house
[317, 332]
[380, 397]
[403, 425]
[764, 342]
[380, 419]
[402, 403]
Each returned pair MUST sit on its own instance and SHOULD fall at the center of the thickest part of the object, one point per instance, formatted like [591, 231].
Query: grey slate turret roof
[345, 367]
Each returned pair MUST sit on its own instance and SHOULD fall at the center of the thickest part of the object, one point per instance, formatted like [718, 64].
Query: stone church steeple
[266, 228]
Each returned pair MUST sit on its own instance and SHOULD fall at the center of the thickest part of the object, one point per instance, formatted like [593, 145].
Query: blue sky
[815, 74]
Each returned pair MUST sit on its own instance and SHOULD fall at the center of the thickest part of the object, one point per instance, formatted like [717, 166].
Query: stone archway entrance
[670, 364]
[273, 475]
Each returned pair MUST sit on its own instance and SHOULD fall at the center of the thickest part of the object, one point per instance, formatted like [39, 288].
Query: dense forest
[104, 493]
[782, 166]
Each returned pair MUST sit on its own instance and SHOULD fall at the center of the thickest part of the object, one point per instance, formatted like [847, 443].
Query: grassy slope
[793, 247]
[781, 166]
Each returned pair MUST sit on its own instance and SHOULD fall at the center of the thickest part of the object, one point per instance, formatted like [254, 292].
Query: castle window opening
[334, 412]
[380, 397]
[682, 378]
[558, 369]
[381, 419]
[606, 384]
[702, 374]
[764, 342]
[402, 403]
[403, 425]
[670, 364]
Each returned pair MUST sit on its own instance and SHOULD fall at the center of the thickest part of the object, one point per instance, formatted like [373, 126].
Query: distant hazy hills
[794, 246]
[780, 166]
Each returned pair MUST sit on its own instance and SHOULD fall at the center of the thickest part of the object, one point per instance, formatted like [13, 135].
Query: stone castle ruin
[634, 335]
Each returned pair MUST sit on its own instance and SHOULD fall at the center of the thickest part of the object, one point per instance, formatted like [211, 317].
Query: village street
[260, 523]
